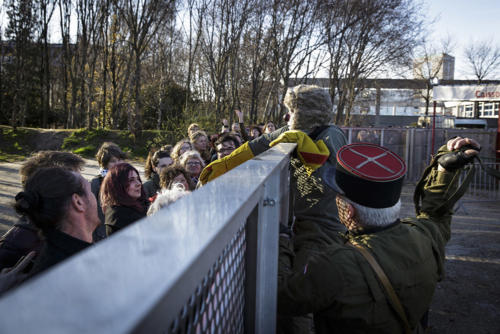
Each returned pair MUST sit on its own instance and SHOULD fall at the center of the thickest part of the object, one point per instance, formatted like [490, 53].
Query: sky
[463, 20]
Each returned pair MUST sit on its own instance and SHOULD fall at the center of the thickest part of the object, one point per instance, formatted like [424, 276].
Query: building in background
[440, 66]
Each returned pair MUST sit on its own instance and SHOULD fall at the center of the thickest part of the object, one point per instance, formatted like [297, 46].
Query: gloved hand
[312, 154]
[221, 166]
[463, 151]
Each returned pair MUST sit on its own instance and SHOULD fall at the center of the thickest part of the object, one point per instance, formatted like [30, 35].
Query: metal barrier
[207, 263]
[483, 188]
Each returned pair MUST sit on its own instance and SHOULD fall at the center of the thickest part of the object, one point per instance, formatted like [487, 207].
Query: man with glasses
[225, 145]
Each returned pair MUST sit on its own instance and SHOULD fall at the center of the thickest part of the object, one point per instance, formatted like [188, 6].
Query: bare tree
[256, 57]
[120, 66]
[46, 10]
[91, 17]
[69, 65]
[225, 21]
[194, 34]
[143, 19]
[364, 38]
[483, 58]
[428, 64]
[293, 23]
[20, 30]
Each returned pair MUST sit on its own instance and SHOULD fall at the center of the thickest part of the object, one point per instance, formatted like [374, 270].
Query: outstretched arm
[438, 190]
[440, 180]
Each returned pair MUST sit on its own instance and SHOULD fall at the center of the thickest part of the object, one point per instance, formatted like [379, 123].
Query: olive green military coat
[336, 283]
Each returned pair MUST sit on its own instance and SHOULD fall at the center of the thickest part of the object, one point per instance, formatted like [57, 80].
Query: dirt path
[466, 301]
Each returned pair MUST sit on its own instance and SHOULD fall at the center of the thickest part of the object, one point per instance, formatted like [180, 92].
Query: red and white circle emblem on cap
[371, 162]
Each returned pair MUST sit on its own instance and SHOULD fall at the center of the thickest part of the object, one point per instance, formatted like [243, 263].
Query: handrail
[141, 278]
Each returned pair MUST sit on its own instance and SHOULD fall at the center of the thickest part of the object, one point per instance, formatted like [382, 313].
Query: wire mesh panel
[394, 140]
[217, 304]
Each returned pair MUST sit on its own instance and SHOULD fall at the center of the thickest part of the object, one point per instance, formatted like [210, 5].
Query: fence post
[408, 151]
[262, 229]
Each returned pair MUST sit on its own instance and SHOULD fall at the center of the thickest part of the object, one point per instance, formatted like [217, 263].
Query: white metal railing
[483, 185]
[483, 188]
[206, 263]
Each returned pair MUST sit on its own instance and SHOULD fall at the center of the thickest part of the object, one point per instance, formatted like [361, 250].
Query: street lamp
[434, 82]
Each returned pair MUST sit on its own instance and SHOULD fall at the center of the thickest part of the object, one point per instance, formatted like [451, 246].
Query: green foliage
[168, 100]
[86, 150]
[86, 142]
[17, 145]
[14, 144]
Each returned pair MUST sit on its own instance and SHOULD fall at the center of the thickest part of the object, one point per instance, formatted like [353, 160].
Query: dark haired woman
[122, 197]
[108, 155]
[61, 204]
[158, 161]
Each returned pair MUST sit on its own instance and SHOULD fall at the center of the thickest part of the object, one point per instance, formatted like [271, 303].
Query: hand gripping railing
[207, 263]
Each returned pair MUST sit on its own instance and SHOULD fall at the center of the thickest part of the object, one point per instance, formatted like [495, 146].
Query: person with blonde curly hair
[199, 139]
[192, 128]
[193, 163]
[180, 147]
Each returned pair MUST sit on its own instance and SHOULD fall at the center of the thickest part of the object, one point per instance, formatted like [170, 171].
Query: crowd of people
[47, 234]
[344, 236]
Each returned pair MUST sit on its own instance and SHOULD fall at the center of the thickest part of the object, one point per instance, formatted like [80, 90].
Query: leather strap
[460, 191]
[393, 297]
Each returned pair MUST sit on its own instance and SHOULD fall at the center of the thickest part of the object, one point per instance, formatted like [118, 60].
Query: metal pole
[498, 133]
[433, 127]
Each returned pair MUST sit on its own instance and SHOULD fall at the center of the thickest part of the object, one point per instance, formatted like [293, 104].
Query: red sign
[486, 95]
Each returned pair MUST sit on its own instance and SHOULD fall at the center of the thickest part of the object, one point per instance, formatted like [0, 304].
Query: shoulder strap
[393, 297]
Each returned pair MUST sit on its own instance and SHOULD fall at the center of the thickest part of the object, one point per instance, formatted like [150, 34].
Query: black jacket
[152, 186]
[58, 247]
[18, 241]
[95, 187]
[118, 217]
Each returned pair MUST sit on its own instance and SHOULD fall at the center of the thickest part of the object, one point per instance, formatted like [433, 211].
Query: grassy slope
[16, 145]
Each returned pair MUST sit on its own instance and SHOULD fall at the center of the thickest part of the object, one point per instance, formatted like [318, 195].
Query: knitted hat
[311, 106]
[370, 175]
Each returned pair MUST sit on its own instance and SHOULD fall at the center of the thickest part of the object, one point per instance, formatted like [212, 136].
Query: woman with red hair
[123, 198]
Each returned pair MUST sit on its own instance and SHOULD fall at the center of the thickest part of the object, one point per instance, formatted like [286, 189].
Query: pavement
[466, 301]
